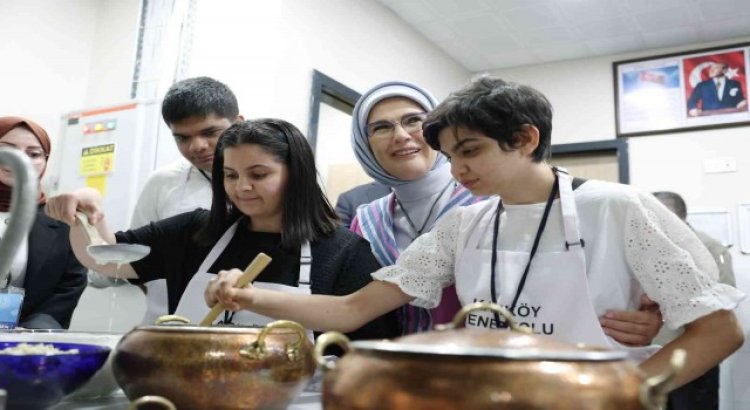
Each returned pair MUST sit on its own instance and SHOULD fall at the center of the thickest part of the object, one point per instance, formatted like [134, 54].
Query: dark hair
[198, 97]
[307, 214]
[497, 109]
[674, 202]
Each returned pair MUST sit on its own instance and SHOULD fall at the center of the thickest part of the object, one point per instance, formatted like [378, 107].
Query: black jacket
[349, 201]
[54, 278]
[341, 263]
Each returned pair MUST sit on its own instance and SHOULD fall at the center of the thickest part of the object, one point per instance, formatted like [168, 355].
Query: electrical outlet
[718, 165]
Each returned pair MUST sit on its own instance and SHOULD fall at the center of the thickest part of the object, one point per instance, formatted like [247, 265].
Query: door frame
[325, 87]
[619, 146]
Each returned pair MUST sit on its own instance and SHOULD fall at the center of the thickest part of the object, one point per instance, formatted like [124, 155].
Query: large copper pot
[218, 367]
[484, 369]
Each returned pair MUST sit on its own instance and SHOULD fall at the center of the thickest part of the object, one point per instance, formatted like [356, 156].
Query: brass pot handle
[257, 349]
[653, 391]
[171, 318]
[328, 339]
[152, 400]
[460, 317]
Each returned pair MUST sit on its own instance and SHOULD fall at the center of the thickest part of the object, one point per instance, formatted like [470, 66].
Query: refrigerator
[112, 149]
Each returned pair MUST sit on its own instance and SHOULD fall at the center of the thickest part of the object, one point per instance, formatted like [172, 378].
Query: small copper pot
[220, 367]
[484, 369]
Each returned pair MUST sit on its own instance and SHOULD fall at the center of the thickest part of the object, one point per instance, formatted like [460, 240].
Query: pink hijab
[7, 124]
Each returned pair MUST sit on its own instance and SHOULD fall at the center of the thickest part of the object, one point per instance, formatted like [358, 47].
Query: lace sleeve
[672, 265]
[426, 266]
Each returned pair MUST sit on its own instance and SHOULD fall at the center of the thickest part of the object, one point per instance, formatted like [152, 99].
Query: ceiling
[490, 34]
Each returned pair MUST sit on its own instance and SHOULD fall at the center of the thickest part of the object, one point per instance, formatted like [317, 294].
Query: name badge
[11, 300]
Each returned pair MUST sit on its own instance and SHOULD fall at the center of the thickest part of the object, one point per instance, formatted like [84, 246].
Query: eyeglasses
[36, 155]
[411, 123]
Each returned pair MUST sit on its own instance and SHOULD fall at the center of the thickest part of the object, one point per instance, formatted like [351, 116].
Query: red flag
[695, 69]
[652, 76]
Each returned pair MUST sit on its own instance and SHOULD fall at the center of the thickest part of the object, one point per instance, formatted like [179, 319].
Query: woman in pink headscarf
[45, 267]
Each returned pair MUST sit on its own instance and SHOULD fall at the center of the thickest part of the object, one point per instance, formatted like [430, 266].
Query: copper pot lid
[231, 329]
[517, 343]
[489, 343]
[179, 324]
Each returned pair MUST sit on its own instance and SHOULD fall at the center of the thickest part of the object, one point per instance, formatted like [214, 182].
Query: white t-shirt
[633, 245]
[169, 191]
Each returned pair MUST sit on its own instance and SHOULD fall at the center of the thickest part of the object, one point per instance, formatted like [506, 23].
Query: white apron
[157, 301]
[193, 307]
[555, 298]
[186, 190]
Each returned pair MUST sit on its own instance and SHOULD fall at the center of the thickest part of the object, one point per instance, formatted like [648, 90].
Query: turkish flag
[695, 69]
[652, 76]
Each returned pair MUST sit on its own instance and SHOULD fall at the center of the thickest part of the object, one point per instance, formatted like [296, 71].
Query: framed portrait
[693, 90]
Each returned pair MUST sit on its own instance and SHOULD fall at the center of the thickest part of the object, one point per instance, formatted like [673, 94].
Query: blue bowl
[39, 382]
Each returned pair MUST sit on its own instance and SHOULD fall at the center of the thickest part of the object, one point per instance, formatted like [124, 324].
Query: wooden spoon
[251, 272]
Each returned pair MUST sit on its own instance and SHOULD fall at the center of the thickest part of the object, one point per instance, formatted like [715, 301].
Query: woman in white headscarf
[387, 140]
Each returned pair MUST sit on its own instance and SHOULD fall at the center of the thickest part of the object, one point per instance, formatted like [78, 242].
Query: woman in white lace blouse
[559, 251]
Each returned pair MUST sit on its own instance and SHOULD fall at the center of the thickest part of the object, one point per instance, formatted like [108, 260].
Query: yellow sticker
[97, 160]
[98, 182]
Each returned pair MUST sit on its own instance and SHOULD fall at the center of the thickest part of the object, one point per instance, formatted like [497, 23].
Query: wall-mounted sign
[716, 223]
[743, 214]
[97, 160]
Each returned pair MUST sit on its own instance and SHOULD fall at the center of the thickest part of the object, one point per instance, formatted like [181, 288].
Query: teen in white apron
[546, 291]
[193, 307]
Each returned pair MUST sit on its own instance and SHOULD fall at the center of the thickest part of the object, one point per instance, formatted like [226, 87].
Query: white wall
[582, 94]
[58, 56]
[45, 57]
[113, 52]
[266, 52]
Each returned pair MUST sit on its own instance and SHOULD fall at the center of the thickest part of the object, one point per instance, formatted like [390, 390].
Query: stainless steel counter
[118, 401]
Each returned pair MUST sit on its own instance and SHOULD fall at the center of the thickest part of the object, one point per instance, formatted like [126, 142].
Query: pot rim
[202, 329]
[528, 353]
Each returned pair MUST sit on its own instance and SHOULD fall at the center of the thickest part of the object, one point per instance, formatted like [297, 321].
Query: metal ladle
[119, 253]
[23, 206]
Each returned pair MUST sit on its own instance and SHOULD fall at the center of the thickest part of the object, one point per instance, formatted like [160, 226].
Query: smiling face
[479, 164]
[196, 138]
[403, 155]
[21, 138]
[255, 181]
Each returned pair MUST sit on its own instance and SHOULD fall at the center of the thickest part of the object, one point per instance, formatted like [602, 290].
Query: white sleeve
[147, 208]
[426, 266]
[672, 265]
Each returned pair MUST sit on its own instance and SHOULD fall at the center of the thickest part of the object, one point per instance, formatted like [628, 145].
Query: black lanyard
[495, 234]
[427, 219]
[205, 175]
[228, 317]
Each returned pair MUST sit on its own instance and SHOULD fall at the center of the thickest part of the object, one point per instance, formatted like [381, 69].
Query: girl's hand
[633, 328]
[221, 289]
[63, 207]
